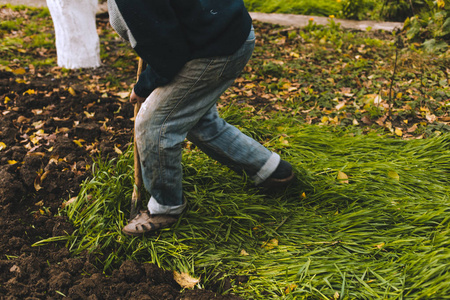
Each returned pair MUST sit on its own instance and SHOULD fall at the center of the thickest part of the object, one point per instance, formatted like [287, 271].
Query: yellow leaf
[341, 105]
[12, 162]
[398, 131]
[303, 195]
[29, 92]
[393, 175]
[19, 71]
[372, 99]
[2, 146]
[35, 139]
[79, 142]
[290, 288]
[37, 184]
[379, 246]
[89, 115]
[270, 244]
[72, 91]
[244, 253]
[18, 80]
[22, 50]
[118, 151]
[342, 177]
[294, 54]
[185, 280]
[7, 99]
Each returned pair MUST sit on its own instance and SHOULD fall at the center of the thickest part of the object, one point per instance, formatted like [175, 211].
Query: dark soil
[41, 165]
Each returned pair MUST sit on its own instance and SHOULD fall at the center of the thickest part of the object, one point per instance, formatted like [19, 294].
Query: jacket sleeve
[159, 40]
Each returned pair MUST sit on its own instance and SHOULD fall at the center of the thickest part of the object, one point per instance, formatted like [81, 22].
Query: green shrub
[431, 26]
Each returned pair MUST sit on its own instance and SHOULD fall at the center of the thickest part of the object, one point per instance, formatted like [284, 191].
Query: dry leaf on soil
[185, 280]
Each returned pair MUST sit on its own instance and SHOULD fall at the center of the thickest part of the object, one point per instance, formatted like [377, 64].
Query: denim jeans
[186, 107]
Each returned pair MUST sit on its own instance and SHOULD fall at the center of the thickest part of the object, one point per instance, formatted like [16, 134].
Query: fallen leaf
[12, 162]
[79, 142]
[393, 175]
[72, 91]
[398, 131]
[341, 105]
[123, 95]
[372, 99]
[430, 118]
[37, 111]
[270, 244]
[19, 71]
[342, 177]
[244, 253]
[61, 119]
[412, 128]
[290, 288]
[29, 92]
[118, 151]
[336, 295]
[68, 202]
[89, 115]
[379, 246]
[22, 119]
[18, 80]
[2, 146]
[185, 280]
[7, 99]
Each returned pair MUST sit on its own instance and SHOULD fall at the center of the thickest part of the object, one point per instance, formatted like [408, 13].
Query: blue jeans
[186, 107]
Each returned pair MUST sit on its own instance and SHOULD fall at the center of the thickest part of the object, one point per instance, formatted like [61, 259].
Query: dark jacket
[168, 33]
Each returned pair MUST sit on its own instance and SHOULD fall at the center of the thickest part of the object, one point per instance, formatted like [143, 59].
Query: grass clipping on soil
[368, 217]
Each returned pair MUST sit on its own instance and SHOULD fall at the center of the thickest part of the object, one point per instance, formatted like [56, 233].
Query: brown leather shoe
[144, 222]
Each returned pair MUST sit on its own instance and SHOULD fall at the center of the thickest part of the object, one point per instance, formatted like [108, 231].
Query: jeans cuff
[269, 167]
[158, 209]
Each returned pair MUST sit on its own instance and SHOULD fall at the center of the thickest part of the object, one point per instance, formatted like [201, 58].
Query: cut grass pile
[368, 215]
[367, 218]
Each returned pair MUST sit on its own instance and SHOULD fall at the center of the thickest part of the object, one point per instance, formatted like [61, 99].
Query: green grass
[381, 235]
[24, 36]
[384, 234]
[301, 7]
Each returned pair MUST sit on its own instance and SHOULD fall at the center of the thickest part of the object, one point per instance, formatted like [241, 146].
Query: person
[194, 50]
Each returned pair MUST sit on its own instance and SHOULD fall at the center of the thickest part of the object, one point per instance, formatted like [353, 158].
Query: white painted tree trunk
[77, 42]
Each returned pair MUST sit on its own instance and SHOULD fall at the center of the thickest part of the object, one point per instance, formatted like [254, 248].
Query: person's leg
[228, 145]
[170, 112]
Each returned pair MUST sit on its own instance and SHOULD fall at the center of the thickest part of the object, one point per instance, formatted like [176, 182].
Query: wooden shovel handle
[136, 197]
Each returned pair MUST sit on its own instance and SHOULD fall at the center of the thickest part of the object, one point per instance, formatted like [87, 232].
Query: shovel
[136, 197]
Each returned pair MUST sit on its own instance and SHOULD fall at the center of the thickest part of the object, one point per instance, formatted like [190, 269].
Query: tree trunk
[77, 42]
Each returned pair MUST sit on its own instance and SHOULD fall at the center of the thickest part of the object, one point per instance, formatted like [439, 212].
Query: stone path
[280, 19]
